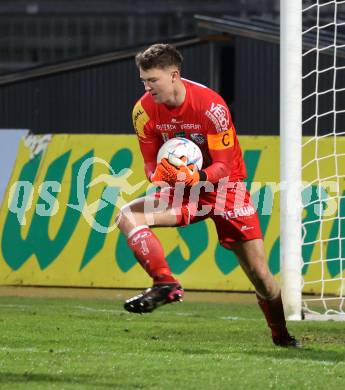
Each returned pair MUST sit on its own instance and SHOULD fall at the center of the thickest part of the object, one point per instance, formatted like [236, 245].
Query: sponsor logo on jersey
[177, 126]
[198, 138]
[165, 126]
[191, 126]
[221, 141]
[140, 118]
[220, 116]
[137, 115]
[174, 120]
[244, 211]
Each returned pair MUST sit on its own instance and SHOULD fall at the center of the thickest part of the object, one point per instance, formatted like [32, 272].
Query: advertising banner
[57, 219]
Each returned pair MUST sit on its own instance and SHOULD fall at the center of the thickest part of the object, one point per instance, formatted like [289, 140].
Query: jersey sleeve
[149, 141]
[220, 139]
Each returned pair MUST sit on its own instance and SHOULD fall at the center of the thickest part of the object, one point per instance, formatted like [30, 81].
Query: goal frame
[291, 156]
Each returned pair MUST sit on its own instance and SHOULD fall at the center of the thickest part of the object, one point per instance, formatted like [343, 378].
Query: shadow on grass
[31, 377]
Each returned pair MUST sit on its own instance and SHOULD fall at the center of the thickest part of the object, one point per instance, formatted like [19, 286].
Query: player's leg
[134, 221]
[238, 229]
[147, 210]
[252, 258]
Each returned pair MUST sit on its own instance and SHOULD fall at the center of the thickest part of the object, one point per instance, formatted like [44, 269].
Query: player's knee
[126, 219]
[259, 274]
[123, 217]
[118, 219]
[264, 282]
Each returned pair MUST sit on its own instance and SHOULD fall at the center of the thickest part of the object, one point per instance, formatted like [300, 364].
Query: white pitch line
[14, 305]
[230, 318]
[184, 314]
[93, 310]
[8, 349]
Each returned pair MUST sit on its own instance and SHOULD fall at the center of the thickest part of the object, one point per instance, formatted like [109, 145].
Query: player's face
[160, 83]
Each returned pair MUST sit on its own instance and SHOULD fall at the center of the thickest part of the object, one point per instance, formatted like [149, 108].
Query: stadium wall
[93, 95]
[57, 217]
[84, 98]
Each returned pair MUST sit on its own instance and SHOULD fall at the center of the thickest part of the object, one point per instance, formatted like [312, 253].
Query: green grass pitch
[95, 344]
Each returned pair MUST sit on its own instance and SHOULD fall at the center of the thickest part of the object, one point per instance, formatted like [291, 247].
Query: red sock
[149, 252]
[274, 313]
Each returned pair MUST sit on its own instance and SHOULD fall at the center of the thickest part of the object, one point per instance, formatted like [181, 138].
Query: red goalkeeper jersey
[203, 118]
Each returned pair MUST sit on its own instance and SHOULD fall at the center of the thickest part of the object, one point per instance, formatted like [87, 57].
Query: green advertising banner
[57, 219]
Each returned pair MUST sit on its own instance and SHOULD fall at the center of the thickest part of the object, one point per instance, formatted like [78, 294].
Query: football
[178, 147]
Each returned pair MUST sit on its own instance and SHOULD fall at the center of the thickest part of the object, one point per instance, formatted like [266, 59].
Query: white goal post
[290, 155]
[312, 158]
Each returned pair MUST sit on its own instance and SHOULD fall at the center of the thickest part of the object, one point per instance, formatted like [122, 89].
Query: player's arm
[221, 148]
[162, 172]
[149, 150]
[221, 155]
[149, 142]
[220, 140]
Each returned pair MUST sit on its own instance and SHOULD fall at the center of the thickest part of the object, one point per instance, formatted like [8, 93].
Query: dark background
[67, 66]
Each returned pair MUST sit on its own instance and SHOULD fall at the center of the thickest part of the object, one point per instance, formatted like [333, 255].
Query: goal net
[323, 157]
[313, 154]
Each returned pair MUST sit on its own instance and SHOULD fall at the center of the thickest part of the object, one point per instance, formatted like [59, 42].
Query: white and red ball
[178, 147]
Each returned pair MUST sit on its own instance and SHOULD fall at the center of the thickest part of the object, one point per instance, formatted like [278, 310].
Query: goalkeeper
[173, 107]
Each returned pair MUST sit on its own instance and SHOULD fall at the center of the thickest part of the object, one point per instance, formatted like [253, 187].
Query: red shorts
[231, 209]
